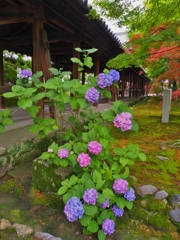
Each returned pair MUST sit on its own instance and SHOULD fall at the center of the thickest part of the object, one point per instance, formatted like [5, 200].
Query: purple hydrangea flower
[114, 74]
[105, 204]
[130, 195]
[123, 121]
[90, 196]
[108, 226]
[117, 211]
[104, 80]
[120, 186]
[63, 153]
[73, 209]
[92, 95]
[25, 73]
[94, 147]
[84, 159]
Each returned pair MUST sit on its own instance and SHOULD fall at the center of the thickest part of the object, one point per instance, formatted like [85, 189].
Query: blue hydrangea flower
[104, 80]
[130, 195]
[105, 204]
[114, 74]
[90, 196]
[108, 226]
[92, 95]
[25, 73]
[117, 211]
[73, 209]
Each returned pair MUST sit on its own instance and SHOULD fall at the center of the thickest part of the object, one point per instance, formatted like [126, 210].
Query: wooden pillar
[143, 84]
[83, 77]
[122, 84]
[138, 87]
[130, 84]
[2, 102]
[134, 86]
[96, 68]
[36, 61]
[75, 72]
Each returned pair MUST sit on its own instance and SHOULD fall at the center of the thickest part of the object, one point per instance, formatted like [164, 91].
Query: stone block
[48, 177]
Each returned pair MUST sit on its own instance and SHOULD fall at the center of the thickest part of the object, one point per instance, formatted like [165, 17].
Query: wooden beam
[26, 3]
[52, 38]
[12, 2]
[5, 88]
[15, 14]
[61, 25]
[19, 14]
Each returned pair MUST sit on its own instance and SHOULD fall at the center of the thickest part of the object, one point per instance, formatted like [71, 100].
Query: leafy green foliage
[5, 119]
[82, 127]
[151, 25]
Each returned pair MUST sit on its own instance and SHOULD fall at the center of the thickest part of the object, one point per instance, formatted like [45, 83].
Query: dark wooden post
[83, 77]
[75, 72]
[37, 28]
[137, 86]
[2, 102]
[134, 93]
[130, 84]
[122, 87]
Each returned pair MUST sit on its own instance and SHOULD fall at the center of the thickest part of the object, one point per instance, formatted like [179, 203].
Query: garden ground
[19, 203]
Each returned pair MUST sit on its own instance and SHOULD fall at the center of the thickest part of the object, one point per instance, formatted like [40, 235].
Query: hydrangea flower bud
[63, 153]
[94, 147]
[90, 196]
[50, 150]
[105, 204]
[104, 80]
[130, 195]
[114, 74]
[25, 73]
[123, 121]
[120, 186]
[92, 95]
[108, 226]
[117, 211]
[73, 209]
[84, 159]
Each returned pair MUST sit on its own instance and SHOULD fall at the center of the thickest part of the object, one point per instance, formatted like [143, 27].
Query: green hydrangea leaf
[90, 210]
[93, 227]
[85, 220]
[101, 235]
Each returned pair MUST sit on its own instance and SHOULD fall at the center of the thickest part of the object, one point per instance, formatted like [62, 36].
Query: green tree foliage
[150, 26]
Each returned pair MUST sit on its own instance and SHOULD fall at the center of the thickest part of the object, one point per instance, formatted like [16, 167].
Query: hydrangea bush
[98, 190]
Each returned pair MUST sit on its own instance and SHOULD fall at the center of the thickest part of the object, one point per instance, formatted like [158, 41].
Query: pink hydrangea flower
[123, 121]
[120, 186]
[94, 147]
[63, 153]
[84, 159]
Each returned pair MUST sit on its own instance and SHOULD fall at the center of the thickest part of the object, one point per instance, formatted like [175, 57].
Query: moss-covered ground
[149, 218]
[154, 138]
